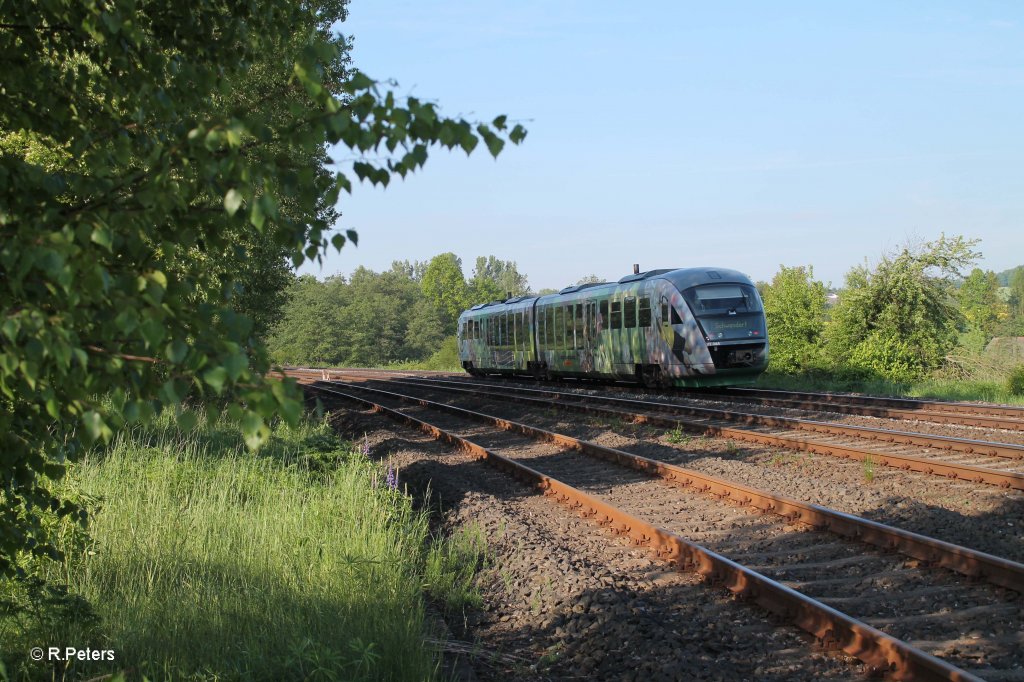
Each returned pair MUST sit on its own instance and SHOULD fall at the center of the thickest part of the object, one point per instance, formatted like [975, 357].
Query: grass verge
[207, 562]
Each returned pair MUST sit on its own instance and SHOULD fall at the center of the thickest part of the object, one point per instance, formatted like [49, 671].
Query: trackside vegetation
[915, 323]
[203, 561]
[164, 162]
[404, 316]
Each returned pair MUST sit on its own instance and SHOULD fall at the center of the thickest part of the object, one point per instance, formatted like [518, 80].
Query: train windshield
[718, 299]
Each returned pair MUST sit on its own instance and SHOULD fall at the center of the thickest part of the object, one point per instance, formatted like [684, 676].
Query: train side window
[664, 313]
[570, 326]
[629, 313]
[616, 315]
[549, 326]
[563, 322]
[579, 325]
[645, 312]
[675, 317]
[556, 340]
[604, 314]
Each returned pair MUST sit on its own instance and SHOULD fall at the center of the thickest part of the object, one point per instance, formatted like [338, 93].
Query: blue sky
[743, 134]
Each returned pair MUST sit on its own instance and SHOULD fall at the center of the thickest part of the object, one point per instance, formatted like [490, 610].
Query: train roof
[681, 278]
[684, 278]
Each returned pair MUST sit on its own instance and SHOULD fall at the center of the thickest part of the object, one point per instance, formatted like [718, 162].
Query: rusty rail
[976, 474]
[963, 414]
[1012, 411]
[828, 625]
[948, 443]
[963, 560]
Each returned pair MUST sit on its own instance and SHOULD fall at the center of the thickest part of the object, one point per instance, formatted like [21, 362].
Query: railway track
[986, 462]
[990, 416]
[882, 592]
[966, 414]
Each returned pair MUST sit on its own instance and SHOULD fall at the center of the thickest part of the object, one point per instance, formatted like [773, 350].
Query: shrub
[888, 357]
[1015, 382]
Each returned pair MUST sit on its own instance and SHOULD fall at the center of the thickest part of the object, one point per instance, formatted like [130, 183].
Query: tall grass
[207, 562]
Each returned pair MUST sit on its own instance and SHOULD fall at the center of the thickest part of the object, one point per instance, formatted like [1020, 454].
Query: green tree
[900, 319]
[980, 303]
[1016, 301]
[425, 330]
[589, 279]
[445, 286]
[128, 169]
[494, 279]
[312, 331]
[794, 305]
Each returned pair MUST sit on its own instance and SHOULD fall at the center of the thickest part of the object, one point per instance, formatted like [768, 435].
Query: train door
[671, 326]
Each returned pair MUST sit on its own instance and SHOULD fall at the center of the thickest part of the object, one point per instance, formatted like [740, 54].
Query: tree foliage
[900, 318]
[794, 305]
[373, 319]
[980, 302]
[1016, 301]
[495, 279]
[134, 168]
[445, 287]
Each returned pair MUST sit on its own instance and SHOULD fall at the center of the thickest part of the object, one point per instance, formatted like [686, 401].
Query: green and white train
[688, 327]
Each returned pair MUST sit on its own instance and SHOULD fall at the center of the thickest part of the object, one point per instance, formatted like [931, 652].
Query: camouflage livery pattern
[685, 327]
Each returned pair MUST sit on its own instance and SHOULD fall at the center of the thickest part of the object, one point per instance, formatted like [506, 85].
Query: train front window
[723, 298]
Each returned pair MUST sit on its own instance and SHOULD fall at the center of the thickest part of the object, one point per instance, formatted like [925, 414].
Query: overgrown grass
[206, 562]
[452, 566]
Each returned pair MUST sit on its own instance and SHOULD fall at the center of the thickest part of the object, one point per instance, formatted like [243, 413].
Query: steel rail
[963, 560]
[937, 467]
[830, 626]
[903, 408]
[948, 443]
[926, 411]
[899, 403]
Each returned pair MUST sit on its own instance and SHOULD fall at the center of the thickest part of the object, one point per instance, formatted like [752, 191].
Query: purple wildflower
[366, 445]
[392, 479]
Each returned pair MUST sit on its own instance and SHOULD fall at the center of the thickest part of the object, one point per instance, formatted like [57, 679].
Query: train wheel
[652, 377]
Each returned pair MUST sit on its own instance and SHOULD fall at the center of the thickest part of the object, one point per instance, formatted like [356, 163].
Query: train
[685, 327]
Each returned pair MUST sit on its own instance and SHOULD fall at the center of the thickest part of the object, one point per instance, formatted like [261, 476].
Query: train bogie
[692, 327]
